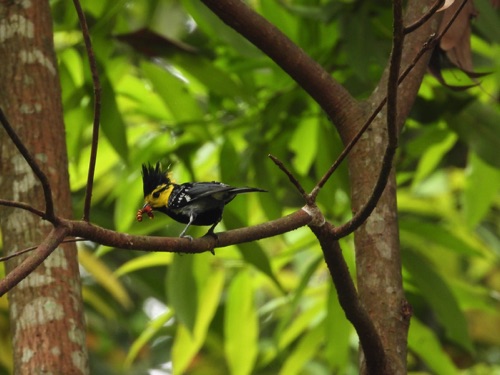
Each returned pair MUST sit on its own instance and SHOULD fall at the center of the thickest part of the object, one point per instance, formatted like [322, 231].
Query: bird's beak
[146, 205]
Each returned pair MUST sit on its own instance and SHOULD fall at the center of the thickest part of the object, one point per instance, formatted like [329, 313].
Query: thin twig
[291, 177]
[392, 129]
[117, 240]
[430, 44]
[47, 192]
[27, 250]
[23, 206]
[97, 109]
[347, 149]
[452, 19]
[415, 25]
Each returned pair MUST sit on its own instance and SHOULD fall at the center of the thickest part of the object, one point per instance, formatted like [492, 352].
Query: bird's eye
[156, 194]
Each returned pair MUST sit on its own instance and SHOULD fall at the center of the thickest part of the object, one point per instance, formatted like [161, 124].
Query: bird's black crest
[152, 177]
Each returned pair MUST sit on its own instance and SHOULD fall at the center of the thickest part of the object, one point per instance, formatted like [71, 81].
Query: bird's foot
[214, 236]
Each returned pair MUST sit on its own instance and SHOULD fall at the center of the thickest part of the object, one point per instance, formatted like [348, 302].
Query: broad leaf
[437, 292]
[241, 325]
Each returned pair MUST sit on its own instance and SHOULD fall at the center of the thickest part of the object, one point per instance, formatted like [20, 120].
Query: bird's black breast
[204, 218]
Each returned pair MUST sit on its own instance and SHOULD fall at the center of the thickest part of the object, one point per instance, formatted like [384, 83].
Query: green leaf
[229, 161]
[305, 350]
[151, 330]
[304, 321]
[144, 261]
[481, 188]
[337, 326]
[423, 342]
[304, 145]
[182, 290]
[430, 159]
[214, 79]
[112, 123]
[439, 235]
[440, 298]
[174, 92]
[298, 293]
[186, 343]
[103, 275]
[253, 253]
[241, 325]
[478, 125]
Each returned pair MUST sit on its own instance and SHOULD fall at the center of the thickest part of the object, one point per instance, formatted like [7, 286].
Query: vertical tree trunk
[46, 308]
[378, 260]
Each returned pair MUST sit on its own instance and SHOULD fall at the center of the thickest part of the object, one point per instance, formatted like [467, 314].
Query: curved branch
[84, 229]
[426, 17]
[23, 206]
[47, 192]
[97, 109]
[49, 244]
[108, 237]
[348, 297]
[333, 98]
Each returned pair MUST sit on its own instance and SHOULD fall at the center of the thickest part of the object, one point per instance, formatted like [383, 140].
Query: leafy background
[202, 99]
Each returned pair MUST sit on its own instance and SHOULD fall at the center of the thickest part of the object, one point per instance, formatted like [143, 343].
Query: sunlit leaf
[305, 320]
[144, 261]
[104, 276]
[101, 305]
[306, 348]
[174, 93]
[241, 325]
[152, 329]
[298, 293]
[340, 329]
[423, 342]
[187, 343]
[432, 156]
[481, 188]
[303, 144]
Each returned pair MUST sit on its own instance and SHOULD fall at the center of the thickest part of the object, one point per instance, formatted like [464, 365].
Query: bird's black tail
[241, 190]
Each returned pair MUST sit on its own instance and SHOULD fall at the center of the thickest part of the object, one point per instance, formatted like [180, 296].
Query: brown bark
[378, 260]
[45, 308]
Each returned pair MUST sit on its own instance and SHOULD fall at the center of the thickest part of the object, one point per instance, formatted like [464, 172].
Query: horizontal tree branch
[73, 228]
[108, 237]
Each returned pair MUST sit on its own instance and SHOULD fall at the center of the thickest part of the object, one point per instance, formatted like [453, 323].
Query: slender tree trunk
[378, 260]
[45, 308]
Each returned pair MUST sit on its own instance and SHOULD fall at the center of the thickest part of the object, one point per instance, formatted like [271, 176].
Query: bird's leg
[191, 219]
[211, 233]
[211, 230]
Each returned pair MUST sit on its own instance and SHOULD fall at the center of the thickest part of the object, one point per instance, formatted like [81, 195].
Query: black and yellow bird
[191, 203]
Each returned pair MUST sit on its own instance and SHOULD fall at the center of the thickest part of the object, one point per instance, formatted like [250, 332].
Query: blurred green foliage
[212, 106]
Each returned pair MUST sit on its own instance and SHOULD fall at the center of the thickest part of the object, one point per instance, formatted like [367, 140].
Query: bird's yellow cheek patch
[159, 197]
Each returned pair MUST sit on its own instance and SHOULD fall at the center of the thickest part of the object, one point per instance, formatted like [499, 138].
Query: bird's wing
[216, 190]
